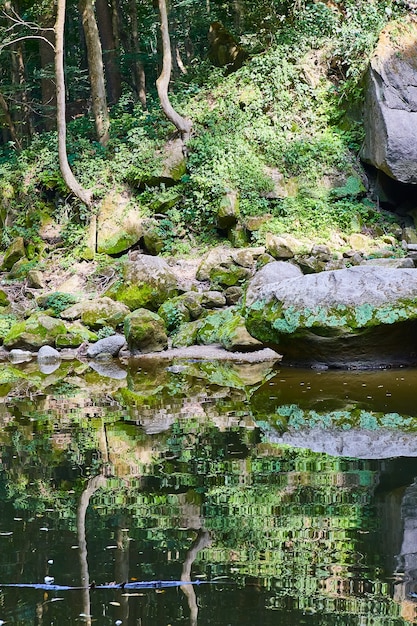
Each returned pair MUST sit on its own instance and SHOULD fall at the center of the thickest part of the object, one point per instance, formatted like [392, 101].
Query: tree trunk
[95, 67]
[93, 484]
[139, 70]
[105, 27]
[83, 194]
[9, 122]
[47, 83]
[182, 124]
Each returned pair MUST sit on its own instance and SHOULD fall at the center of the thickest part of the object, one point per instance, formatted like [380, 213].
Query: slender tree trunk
[9, 122]
[83, 194]
[95, 66]
[182, 124]
[203, 540]
[47, 83]
[93, 484]
[105, 27]
[139, 70]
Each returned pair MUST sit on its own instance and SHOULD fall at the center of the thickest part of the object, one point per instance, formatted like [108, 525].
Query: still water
[286, 497]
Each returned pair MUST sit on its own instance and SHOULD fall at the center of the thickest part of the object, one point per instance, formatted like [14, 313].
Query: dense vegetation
[283, 131]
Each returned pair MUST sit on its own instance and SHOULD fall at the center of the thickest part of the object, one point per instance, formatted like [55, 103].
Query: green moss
[213, 326]
[38, 330]
[267, 321]
[293, 416]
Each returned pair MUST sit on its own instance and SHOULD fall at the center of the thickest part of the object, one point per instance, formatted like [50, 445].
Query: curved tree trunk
[184, 125]
[83, 194]
[95, 67]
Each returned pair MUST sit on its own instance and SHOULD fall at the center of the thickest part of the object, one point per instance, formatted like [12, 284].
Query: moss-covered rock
[145, 332]
[228, 211]
[75, 335]
[186, 334]
[4, 299]
[153, 241]
[234, 336]
[147, 283]
[119, 224]
[38, 330]
[14, 252]
[97, 313]
[176, 311]
[357, 317]
[229, 276]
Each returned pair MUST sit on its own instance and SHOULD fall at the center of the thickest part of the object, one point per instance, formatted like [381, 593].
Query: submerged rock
[356, 317]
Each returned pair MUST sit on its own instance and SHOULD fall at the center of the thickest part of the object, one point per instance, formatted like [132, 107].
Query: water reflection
[171, 474]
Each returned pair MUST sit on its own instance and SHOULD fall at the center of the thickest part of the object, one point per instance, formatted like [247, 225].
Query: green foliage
[284, 109]
[6, 322]
[58, 302]
[105, 331]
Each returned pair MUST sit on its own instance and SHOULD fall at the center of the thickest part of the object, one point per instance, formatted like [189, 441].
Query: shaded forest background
[272, 92]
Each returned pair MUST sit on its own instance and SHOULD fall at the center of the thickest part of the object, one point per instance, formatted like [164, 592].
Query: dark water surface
[210, 472]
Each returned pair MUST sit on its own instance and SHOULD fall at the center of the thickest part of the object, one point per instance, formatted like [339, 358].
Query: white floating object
[50, 562]
[49, 580]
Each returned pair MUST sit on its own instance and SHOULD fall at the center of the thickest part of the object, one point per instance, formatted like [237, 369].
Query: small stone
[233, 295]
[35, 279]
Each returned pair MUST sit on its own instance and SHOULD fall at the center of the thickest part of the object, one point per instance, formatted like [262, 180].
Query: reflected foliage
[178, 457]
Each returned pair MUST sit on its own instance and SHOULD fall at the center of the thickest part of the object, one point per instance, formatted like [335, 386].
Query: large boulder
[391, 104]
[356, 317]
[33, 333]
[145, 332]
[14, 253]
[119, 224]
[108, 345]
[97, 313]
[147, 282]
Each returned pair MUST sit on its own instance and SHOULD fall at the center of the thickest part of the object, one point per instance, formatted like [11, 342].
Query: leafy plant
[58, 302]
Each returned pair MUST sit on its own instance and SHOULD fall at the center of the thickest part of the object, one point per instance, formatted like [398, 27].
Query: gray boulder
[356, 317]
[391, 105]
[269, 274]
[108, 345]
[48, 354]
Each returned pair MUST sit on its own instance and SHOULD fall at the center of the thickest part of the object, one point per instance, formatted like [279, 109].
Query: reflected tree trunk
[203, 540]
[122, 568]
[92, 485]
